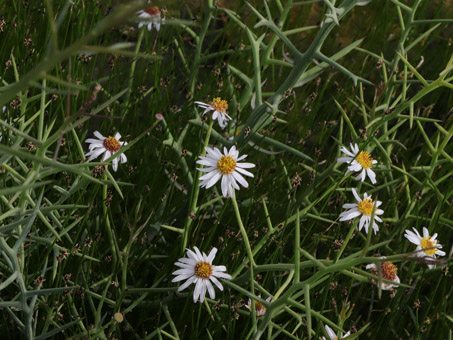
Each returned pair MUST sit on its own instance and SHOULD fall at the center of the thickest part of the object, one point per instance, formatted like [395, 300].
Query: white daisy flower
[358, 162]
[332, 334]
[219, 107]
[224, 166]
[388, 271]
[426, 242]
[153, 18]
[107, 146]
[364, 208]
[197, 268]
[260, 310]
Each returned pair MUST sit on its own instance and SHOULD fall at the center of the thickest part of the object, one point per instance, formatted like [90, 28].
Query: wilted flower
[358, 162]
[364, 208]
[198, 269]
[427, 246]
[260, 310]
[388, 271]
[107, 146]
[224, 166]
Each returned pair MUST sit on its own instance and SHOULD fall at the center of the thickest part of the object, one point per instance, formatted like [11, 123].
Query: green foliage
[80, 242]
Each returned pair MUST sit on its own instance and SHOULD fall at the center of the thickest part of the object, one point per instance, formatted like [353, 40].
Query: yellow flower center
[364, 159]
[152, 10]
[259, 308]
[203, 270]
[111, 144]
[366, 206]
[427, 243]
[389, 270]
[226, 165]
[219, 105]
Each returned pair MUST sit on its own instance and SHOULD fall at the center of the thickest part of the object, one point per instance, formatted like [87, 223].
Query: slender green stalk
[243, 232]
[107, 222]
[195, 192]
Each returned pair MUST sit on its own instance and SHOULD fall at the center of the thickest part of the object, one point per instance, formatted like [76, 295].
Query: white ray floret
[226, 167]
[363, 208]
[427, 246]
[197, 268]
[358, 161]
[332, 334]
[107, 146]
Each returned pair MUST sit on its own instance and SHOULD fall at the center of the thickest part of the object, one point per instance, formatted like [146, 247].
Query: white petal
[183, 271]
[361, 223]
[203, 290]
[219, 269]
[181, 277]
[225, 189]
[245, 165]
[99, 135]
[200, 257]
[244, 172]
[210, 289]
[191, 262]
[344, 160]
[212, 254]
[330, 332]
[371, 175]
[198, 288]
[425, 232]
[193, 256]
[357, 197]
[184, 265]
[187, 283]
[216, 176]
[221, 275]
[94, 141]
[349, 215]
[107, 155]
[349, 205]
[115, 164]
[216, 282]
[95, 154]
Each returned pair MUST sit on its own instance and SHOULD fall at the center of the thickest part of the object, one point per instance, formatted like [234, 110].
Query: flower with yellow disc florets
[427, 246]
[107, 146]
[219, 106]
[358, 161]
[226, 167]
[363, 207]
[197, 268]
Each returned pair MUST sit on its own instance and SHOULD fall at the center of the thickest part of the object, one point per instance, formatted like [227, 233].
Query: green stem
[199, 40]
[107, 222]
[134, 63]
[195, 192]
[243, 233]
